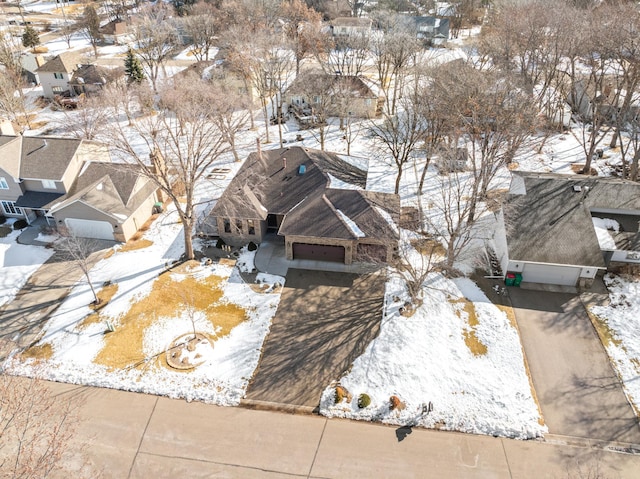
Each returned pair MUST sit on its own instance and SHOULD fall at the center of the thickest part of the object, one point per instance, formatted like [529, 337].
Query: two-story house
[55, 74]
[72, 183]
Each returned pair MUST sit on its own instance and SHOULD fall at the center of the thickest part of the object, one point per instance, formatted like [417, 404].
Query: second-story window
[49, 184]
[3, 183]
[58, 76]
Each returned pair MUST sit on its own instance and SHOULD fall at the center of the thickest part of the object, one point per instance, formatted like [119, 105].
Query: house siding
[49, 82]
[15, 189]
[36, 185]
[136, 220]
[236, 238]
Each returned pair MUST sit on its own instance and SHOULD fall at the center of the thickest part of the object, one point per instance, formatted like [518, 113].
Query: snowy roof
[551, 222]
[272, 182]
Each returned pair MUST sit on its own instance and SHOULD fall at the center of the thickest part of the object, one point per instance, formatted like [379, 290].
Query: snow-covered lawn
[151, 307]
[17, 263]
[619, 327]
[458, 352]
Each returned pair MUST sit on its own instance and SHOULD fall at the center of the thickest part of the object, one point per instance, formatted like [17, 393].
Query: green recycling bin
[518, 279]
[510, 279]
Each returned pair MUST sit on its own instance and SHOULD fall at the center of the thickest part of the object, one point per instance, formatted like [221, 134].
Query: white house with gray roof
[563, 229]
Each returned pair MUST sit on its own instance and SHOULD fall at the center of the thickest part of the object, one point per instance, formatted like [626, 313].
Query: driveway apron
[325, 320]
[579, 392]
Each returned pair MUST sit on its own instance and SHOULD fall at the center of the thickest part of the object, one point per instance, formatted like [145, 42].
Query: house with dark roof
[116, 32]
[72, 183]
[563, 229]
[314, 199]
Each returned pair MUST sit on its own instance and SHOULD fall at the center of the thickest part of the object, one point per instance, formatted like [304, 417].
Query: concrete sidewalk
[129, 435]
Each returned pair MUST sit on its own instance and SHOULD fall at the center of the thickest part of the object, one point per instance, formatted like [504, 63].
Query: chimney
[259, 148]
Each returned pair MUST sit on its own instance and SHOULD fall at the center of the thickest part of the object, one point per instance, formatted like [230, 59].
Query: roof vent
[302, 169]
[577, 188]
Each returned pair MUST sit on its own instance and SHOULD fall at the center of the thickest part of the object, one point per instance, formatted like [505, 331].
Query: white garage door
[90, 229]
[549, 274]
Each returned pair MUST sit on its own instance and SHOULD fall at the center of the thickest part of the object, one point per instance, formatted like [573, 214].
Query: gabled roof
[46, 158]
[549, 220]
[10, 147]
[115, 189]
[269, 184]
[332, 84]
[93, 74]
[65, 62]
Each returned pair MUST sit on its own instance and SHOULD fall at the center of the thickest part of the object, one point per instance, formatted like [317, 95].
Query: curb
[257, 405]
[611, 446]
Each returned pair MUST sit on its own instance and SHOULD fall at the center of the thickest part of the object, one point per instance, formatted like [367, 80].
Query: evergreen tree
[133, 68]
[30, 37]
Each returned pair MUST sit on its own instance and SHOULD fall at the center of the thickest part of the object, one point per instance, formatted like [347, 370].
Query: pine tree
[30, 37]
[133, 68]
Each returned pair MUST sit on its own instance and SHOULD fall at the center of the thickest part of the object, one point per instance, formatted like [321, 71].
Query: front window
[58, 76]
[57, 89]
[227, 226]
[251, 227]
[10, 208]
[239, 225]
[49, 184]
[3, 183]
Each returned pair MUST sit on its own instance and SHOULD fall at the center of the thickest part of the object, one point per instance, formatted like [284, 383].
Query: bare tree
[398, 135]
[12, 101]
[303, 27]
[344, 55]
[201, 26]
[79, 251]
[88, 120]
[392, 54]
[183, 139]
[156, 38]
[35, 429]
[315, 89]
[89, 25]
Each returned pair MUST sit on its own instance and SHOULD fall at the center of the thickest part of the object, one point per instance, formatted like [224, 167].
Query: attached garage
[90, 228]
[318, 252]
[550, 274]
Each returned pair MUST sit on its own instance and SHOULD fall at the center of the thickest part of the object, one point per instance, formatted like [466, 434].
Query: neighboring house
[588, 99]
[431, 30]
[56, 73]
[315, 199]
[555, 232]
[116, 32]
[340, 94]
[71, 183]
[30, 63]
[220, 69]
[91, 79]
[351, 26]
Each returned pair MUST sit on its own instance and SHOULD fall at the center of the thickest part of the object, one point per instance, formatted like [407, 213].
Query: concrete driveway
[324, 321]
[579, 393]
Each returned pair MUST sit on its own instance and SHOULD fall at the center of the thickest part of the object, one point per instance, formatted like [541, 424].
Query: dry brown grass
[40, 49]
[104, 295]
[513, 166]
[133, 245]
[428, 246]
[476, 347]
[39, 352]
[604, 331]
[123, 347]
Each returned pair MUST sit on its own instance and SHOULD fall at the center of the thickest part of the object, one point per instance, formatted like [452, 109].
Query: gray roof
[46, 158]
[112, 188]
[440, 25]
[36, 199]
[317, 82]
[264, 186]
[551, 222]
